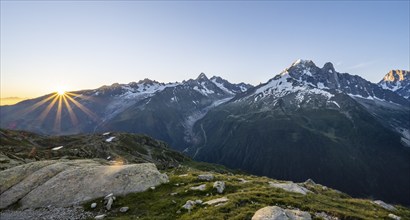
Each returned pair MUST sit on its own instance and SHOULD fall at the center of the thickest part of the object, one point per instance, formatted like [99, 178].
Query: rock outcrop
[277, 213]
[219, 186]
[384, 205]
[64, 183]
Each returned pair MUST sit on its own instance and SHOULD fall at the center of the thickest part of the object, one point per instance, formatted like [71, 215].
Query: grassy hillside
[17, 147]
[245, 198]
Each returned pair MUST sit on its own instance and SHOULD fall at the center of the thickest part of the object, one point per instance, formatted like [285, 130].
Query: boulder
[189, 205]
[219, 186]
[393, 216]
[290, 187]
[278, 213]
[200, 187]
[198, 201]
[207, 177]
[124, 209]
[64, 183]
[384, 205]
[99, 217]
[93, 205]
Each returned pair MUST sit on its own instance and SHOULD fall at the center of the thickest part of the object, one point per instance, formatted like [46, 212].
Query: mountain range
[306, 122]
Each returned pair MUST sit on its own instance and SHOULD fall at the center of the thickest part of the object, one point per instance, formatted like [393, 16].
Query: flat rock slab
[64, 183]
[290, 187]
[200, 187]
[216, 201]
[278, 213]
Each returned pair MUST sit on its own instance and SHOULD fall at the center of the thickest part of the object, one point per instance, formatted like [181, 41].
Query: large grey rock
[65, 183]
[277, 213]
[290, 187]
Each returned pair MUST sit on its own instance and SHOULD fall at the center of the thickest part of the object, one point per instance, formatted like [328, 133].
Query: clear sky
[47, 45]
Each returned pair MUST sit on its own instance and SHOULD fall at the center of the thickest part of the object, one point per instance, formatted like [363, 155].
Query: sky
[74, 45]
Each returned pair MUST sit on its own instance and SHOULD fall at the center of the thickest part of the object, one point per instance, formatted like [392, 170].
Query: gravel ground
[51, 213]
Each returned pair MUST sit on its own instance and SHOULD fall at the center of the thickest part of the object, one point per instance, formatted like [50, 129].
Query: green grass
[244, 199]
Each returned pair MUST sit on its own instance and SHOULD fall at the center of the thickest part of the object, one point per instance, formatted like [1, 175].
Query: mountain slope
[18, 147]
[308, 123]
[171, 113]
[244, 194]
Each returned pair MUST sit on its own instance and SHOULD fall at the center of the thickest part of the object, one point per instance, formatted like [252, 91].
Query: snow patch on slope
[132, 96]
[204, 90]
[109, 139]
[368, 97]
[222, 87]
[285, 85]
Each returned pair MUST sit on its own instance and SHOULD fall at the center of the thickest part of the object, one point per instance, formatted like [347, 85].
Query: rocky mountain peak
[328, 67]
[299, 68]
[397, 75]
[397, 81]
[147, 81]
[301, 62]
[202, 76]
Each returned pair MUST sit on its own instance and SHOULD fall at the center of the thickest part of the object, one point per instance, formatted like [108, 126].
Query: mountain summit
[397, 81]
[202, 76]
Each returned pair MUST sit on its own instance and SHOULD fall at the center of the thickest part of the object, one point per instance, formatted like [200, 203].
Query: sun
[60, 92]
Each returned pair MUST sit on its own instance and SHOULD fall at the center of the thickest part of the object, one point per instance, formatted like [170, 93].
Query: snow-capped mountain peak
[304, 75]
[302, 62]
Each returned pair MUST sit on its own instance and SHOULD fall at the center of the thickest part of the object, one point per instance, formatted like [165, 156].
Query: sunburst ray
[71, 113]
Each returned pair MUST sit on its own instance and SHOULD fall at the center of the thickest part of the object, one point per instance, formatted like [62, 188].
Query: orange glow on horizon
[62, 100]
